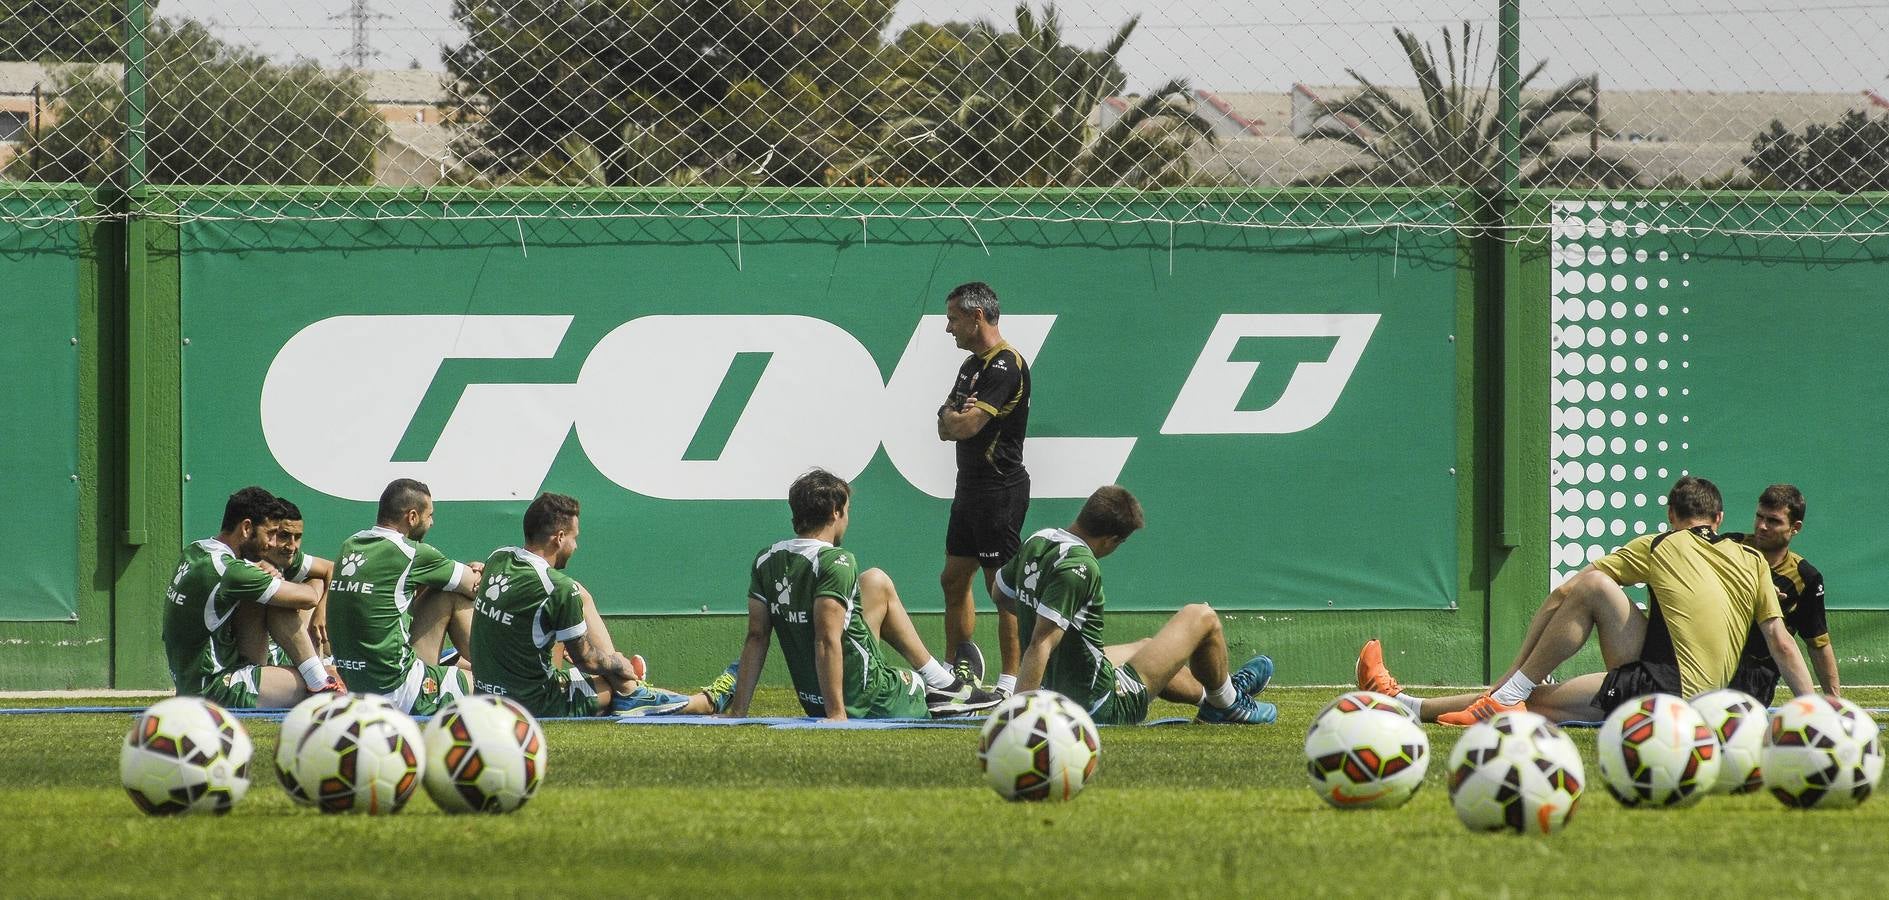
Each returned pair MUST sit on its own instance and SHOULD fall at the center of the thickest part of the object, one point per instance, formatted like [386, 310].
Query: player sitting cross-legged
[830, 616]
[1055, 582]
[202, 640]
[527, 605]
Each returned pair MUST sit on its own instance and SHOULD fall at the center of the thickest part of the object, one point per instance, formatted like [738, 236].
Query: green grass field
[687, 811]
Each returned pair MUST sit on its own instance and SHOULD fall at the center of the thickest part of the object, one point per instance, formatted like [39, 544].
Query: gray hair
[976, 295]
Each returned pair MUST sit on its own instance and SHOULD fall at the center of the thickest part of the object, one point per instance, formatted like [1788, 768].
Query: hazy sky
[1706, 45]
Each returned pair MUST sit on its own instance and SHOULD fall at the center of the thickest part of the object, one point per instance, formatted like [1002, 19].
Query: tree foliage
[969, 104]
[1454, 137]
[1849, 155]
[217, 114]
[61, 30]
[665, 91]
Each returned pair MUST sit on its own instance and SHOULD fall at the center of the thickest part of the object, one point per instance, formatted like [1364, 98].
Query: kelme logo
[364, 378]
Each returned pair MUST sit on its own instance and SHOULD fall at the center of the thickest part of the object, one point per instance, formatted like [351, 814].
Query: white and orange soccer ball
[1039, 745]
[1739, 722]
[306, 715]
[1657, 751]
[1515, 771]
[185, 755]
[1365, 752]
[1822, 752]
[367, 758]
[484, 754]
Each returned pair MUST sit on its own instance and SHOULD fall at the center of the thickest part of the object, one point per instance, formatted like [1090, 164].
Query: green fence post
[137, 352]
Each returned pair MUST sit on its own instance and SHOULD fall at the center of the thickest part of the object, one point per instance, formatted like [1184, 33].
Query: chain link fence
[1260, 115]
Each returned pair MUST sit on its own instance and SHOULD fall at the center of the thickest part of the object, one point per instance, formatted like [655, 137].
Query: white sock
[1007, 683]
[1222, 696]
[1414, 704]
[936, 675]
[1514, 690]
[313, 674]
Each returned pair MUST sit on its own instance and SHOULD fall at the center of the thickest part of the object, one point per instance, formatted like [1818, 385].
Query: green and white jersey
[370, 626]
[1055, 579]
[789, 577]
[199, 631]
[298, 568]
[524, 607]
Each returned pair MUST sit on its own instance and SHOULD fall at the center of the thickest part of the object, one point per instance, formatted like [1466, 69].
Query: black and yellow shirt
[997, 381]
[1705, 593]
[1800, 594]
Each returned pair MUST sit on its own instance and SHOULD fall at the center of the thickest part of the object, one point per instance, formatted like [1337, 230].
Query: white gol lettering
[1209, 400]
[637, 405]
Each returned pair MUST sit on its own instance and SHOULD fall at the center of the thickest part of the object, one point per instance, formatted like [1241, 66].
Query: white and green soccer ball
[484, 754]
[1739, 721]
[306, 715]
[1038, 745]
[366, 758]
[1822, 752]
[1657, 751]
[1515, 771]
[1365, 752]
[185, 755]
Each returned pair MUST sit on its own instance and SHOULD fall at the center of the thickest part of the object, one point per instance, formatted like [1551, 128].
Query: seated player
[1055, 583]
[214, 580]
[282, 535]
[392, 600]
[830, 616]
[1704, 595]
[1779, 519]
[527, 605]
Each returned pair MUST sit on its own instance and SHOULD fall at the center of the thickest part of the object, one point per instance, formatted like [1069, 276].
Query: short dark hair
[252, 503]
[282, 510]
[1786, 497]
[401, 495]
[975, 295]
[547, 514]
[815, 497]
[1110, 512]
[1693, 497]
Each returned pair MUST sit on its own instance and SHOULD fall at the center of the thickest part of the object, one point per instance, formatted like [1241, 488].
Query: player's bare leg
[960, 603]
[278, 688]
[1009, 648]
[885, 616]
[1189, 651]
[435, 614]
[252, 634]
[1569, 701]
[1593, 604]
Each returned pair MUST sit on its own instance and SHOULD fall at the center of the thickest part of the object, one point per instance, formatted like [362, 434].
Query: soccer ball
[1039, 745]
[1518, 771]
[1357, 700]
[1821, 753]
[1360, 754]
[185, 755]
[306, 715]
[1657, 751]
[1738, 721]
[484, 754]
[367, 758]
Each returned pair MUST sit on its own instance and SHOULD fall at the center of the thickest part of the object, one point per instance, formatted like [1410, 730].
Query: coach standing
[986, 414]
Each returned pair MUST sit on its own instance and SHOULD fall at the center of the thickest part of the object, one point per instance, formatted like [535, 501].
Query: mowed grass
[679, 811]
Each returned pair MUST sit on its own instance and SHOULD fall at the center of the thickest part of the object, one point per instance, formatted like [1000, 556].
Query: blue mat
[805, 722]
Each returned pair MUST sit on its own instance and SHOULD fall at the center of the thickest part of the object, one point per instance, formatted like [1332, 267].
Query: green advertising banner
[1747, 360]
[1282, 401]
[39, 416]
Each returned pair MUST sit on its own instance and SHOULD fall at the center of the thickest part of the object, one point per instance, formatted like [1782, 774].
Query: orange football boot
[1372, 675]
[1483, 709]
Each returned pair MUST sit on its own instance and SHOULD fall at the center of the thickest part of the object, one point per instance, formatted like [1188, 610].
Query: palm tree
[972, 106]
[1455, 136]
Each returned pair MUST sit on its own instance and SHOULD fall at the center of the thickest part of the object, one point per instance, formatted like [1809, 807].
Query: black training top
[998, 382]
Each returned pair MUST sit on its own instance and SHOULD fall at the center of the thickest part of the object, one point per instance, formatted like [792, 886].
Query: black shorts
[1636, 679]
[988, 523]
[1757, 678]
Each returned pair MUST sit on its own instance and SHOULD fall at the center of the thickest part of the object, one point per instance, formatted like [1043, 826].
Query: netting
[1259, 115]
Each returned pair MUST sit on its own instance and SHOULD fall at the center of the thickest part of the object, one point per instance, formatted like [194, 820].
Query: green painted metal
[138, 363]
